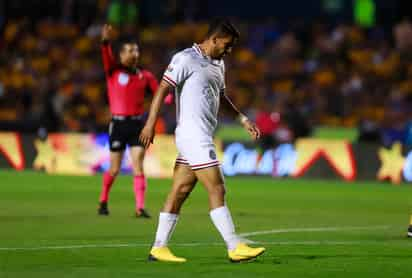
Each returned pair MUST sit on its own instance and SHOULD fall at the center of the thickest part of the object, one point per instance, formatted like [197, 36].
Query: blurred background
[329, 83]
[332, 68]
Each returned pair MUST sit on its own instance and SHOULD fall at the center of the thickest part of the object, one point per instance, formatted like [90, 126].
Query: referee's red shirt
[126, 89]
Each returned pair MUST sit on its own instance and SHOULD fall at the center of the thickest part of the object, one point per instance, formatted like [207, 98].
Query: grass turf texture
[235, 132]
[37, 210]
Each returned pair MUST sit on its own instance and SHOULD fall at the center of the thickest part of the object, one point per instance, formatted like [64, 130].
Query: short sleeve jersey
[198, 81]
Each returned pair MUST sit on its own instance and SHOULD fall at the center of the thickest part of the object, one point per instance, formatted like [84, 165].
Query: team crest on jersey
[212, 154]
[123, 78]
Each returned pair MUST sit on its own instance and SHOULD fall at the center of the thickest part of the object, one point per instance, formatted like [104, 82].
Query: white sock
[223, 221]
[167, 223]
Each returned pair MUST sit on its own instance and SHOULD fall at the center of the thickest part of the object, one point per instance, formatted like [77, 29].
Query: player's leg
[117, 146]
[137, 153]
[410, 227]
[108, 180]
[213, 181]
[184, 181]
[139, 180]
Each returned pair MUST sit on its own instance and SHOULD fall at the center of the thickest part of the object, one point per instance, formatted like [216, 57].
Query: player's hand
[252, 129]
[146, 136]
[107, 32]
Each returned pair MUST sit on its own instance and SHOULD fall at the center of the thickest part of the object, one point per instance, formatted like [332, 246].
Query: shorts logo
[115, 144]
[212, 154]
[169, 68]
[123, 78]
[110, 128]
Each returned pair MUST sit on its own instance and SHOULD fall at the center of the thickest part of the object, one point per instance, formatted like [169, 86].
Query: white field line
[194, 244]
[321, 229]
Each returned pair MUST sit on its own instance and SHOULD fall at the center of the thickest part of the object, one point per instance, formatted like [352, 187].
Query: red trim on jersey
[169, 80]
[197, 48]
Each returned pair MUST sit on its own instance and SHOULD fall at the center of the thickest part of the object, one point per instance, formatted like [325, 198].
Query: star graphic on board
[46, 156]
[392, 163]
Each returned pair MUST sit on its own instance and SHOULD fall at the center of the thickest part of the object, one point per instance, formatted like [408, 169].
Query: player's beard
[133, 63]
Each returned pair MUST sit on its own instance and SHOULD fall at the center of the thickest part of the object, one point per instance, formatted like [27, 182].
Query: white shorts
[196, 154]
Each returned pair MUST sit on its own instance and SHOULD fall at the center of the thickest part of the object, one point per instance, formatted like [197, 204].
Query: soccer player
[126, 86]
[198, 76]
[410, 228]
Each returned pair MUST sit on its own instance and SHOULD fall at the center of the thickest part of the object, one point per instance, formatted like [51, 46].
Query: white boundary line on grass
[194, 244]
[321, 229]
[277, 231]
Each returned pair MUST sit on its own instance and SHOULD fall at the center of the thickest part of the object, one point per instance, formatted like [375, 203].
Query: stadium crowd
[288, 78]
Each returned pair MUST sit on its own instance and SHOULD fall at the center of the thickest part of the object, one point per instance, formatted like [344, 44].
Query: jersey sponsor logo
[123, 78]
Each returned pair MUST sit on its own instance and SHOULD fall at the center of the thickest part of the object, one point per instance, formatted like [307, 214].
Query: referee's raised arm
[109, 62]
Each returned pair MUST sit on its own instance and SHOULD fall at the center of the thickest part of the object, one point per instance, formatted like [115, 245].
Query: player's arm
[153, 85]
[250, 127]
[148, 131]
[175, 74]
[109, 62]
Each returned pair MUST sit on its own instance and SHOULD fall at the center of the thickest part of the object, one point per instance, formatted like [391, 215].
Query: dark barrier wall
[86, 154]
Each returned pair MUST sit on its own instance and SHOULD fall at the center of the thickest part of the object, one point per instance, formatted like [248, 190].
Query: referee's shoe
[142, 213]
[410, 231]
[103, 209]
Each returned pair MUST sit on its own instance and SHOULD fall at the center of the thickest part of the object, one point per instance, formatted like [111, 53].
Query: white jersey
[198, 81]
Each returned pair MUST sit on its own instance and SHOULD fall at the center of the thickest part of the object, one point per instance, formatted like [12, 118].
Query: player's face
[129, 55]
[223, 46]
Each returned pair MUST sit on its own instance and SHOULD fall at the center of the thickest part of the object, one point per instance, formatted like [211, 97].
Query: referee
[127, 85]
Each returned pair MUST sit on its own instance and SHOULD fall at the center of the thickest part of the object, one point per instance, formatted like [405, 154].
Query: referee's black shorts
[125, 130]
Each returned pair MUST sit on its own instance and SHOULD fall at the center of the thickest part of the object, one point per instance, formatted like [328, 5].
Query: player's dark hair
[119, 44]
[222, 28]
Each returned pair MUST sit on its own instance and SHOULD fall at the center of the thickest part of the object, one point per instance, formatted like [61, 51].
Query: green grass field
[235, 132]
[311, 228]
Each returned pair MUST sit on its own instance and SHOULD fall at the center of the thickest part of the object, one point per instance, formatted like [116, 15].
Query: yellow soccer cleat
[243, 253]
[164, 254]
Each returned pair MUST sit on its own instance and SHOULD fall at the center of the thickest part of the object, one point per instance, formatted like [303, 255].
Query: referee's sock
[107, 184]
[140, 185]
